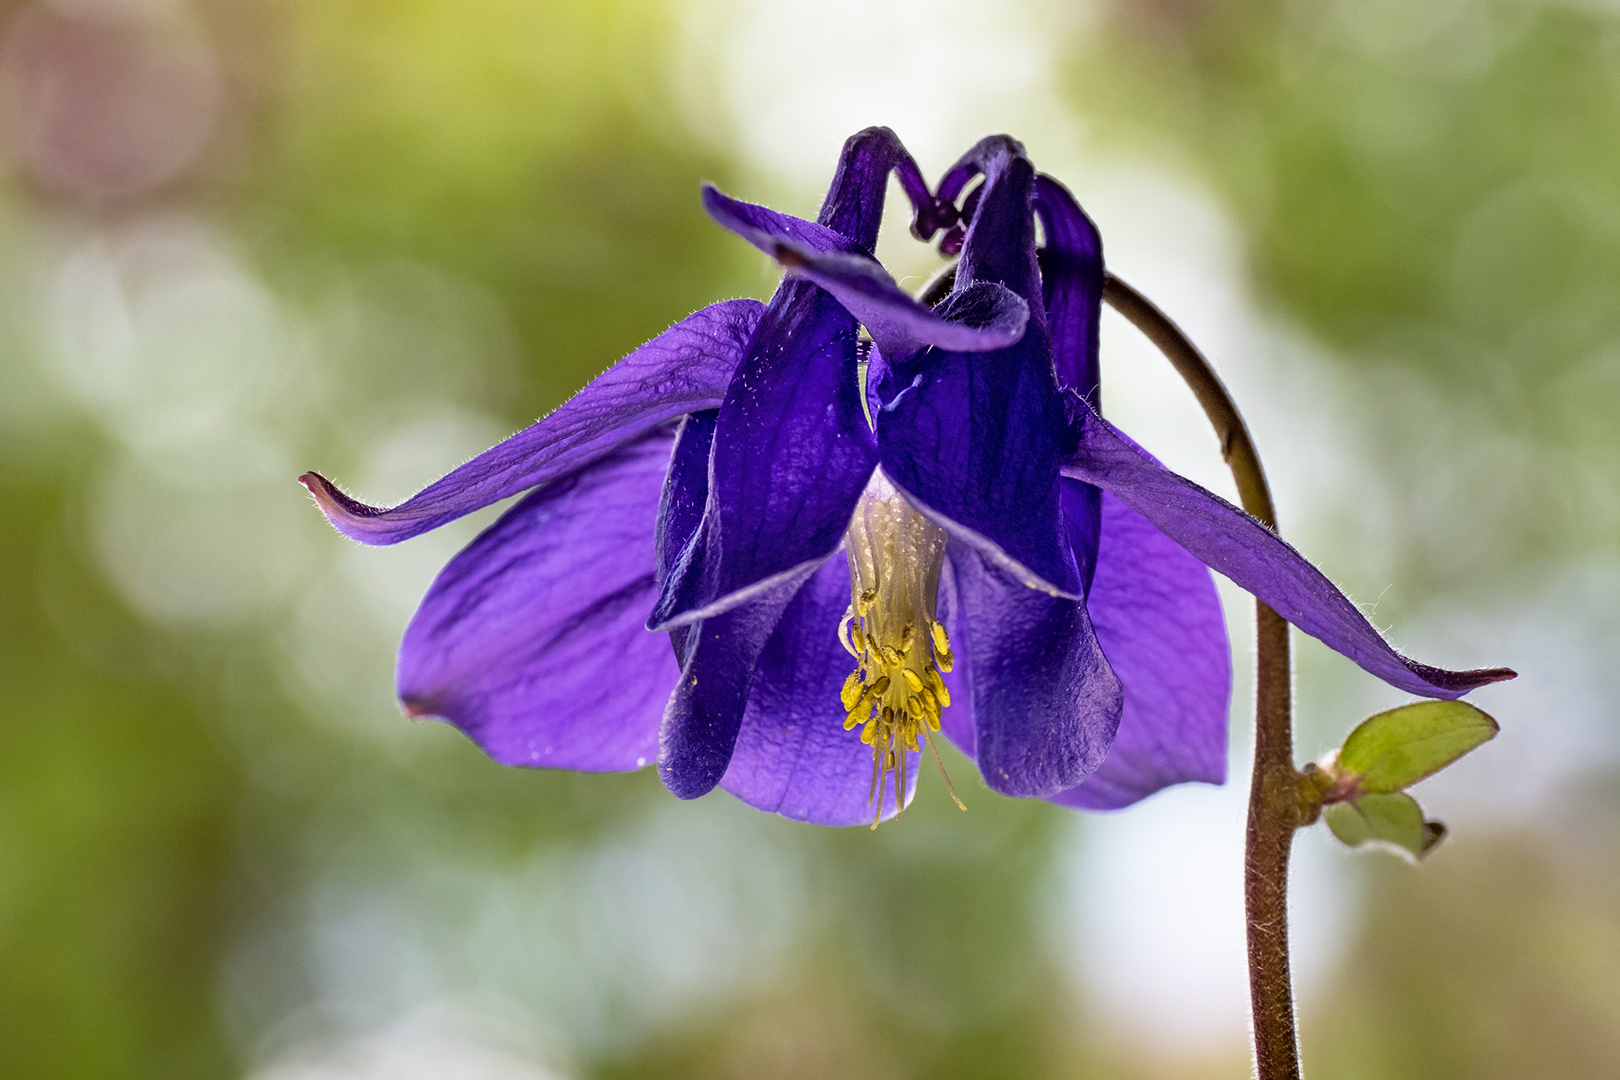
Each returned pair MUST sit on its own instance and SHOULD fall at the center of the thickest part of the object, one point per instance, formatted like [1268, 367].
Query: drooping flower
[924, 528]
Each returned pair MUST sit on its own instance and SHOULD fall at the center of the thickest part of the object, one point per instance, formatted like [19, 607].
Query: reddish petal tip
[320, 487]
[330, 500]
[416, 709]
[348, 516]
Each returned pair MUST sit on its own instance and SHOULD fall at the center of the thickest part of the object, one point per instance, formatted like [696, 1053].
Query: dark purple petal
[1072, 287]
[684, 369]
[854, 202]
[766, 228]
[718, 655]
[792, 453]
[1045, 702]
[853, 210]
[792, 447]
[896, 321]
[686, 490]
[991, 317]
[680, 506]
[975, 441]
[793, 756]
[1235, 544]
[1082, 519]
[878, 381]
[1158, 619]
[532, 641]
[699, 729]
[999, 244]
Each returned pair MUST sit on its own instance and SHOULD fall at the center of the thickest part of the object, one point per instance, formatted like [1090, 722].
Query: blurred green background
[242, 238]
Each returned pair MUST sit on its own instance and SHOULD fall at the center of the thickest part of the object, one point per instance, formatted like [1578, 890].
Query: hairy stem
[1274, 795]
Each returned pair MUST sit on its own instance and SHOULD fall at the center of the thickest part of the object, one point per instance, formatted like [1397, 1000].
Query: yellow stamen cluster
[895, 694]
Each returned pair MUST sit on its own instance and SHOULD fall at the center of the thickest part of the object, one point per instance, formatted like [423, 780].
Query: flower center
[895, 692]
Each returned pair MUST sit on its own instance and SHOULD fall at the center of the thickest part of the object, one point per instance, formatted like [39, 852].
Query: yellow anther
[895, 693]
[862, 708]
[850, 695]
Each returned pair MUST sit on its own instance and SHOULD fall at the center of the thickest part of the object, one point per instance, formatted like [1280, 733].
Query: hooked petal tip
[1486, 676]
[326, 496]
[338, 507]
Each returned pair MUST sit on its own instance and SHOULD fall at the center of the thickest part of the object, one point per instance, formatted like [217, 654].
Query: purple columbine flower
[958, 544]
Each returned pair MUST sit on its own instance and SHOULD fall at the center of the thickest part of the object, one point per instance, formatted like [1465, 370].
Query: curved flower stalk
[732, 554]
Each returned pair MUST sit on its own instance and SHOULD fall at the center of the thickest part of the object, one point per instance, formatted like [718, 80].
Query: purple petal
[531, 640]
[718, 655]
[1072, 286]
[680, 507]
[879, 386]
[988, 316]
[686, 490]
[1000, 241]
[792, 454]
[897, 322]
[975, 441]
[699, 729]
[854, 203]
[1158, 619]
[1082, 520]
[1045, 702]
[684, 369]
[853, 210]
[792, 447]
[1235, 544]
[793, 756]
[766, 228]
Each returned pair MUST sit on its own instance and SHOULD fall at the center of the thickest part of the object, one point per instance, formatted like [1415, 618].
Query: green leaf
[1393, 820]
[1395, 749]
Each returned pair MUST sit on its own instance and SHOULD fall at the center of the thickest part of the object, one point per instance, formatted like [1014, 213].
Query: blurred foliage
[926, 961]
[514, 143]
[1442, 984]
[115, 829]
[1400, 167]
[501, 143]
[1433, 190]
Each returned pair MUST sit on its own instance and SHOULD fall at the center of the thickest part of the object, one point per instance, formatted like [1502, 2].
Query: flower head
[1015, 574]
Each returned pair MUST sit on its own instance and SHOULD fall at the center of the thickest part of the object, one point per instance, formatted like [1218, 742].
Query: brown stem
[1274, 794]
